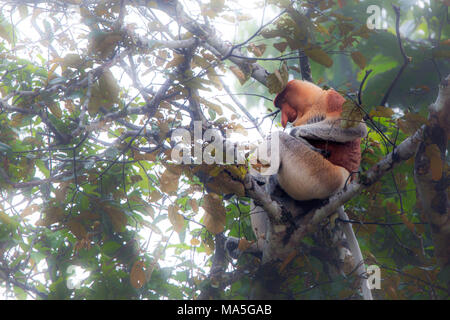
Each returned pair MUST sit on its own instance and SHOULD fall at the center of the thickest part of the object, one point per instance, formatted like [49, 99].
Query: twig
[368, 72]
[406, 59]
[5, 275]
[242, 108]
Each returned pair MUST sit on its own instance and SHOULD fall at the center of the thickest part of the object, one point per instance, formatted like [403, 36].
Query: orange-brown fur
[301, 101]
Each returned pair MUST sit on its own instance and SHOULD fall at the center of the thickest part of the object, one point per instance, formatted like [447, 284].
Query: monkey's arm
[330, 130]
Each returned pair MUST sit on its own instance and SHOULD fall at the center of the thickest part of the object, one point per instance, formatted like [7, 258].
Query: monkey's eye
[316, 118]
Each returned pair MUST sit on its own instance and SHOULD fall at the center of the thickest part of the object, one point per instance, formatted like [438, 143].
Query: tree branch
[406, 59]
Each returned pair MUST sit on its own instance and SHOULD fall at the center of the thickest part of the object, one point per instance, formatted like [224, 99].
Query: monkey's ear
[334, 101]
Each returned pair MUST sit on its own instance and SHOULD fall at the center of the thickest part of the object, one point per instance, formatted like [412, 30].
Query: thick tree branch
[223, 50]
[430, 175]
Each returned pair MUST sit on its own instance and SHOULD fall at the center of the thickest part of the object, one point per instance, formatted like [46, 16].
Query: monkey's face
[303, 102]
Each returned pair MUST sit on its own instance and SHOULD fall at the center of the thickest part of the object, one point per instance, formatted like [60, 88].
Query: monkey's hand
[329, 130]
[325, 153]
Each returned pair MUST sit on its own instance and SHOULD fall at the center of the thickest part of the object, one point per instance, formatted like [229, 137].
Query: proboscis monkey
[318, 156]
[316, 115]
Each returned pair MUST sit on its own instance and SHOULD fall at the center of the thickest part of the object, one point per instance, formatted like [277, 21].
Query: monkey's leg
[260, 225]
[305, 174]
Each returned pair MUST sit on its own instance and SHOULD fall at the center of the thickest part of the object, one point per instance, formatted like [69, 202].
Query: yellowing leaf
[278, 80]
[23, 11]
[195, 242]
[359, 59]
[239, 74]
[103, 43]
[212, 106]
[209, 246]
[319, 56]
[55, 109]
[16, 119]
[217, 5]
[71, 60]
[5, 219]
[108, 86]
[228, 18]
[352, 115]
[177, 59]
[29, 210]
[105, 93]
[214, 77]
[4, 33]
[381, 111]
[244, 17]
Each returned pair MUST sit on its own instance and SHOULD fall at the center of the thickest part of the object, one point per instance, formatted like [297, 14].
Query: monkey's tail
[356, 252]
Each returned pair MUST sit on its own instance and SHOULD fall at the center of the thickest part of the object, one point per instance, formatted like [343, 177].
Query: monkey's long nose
[284, 119]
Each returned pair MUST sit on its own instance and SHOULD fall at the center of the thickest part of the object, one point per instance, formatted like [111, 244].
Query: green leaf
[20, 293]
[4, 147]
[110, 247]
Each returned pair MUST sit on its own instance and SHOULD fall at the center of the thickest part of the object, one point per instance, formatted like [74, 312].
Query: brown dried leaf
[194, 205]
[77, 229]
[177, 59]
[244, 244]
[155, 195]
[257, 50]
[281, 46]
[176, 219]
[53, 214]
[215, 216]
[411, 122]
[169, 181]
[117, 216]
[137, 274]
[436, 165]
[359, 59]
